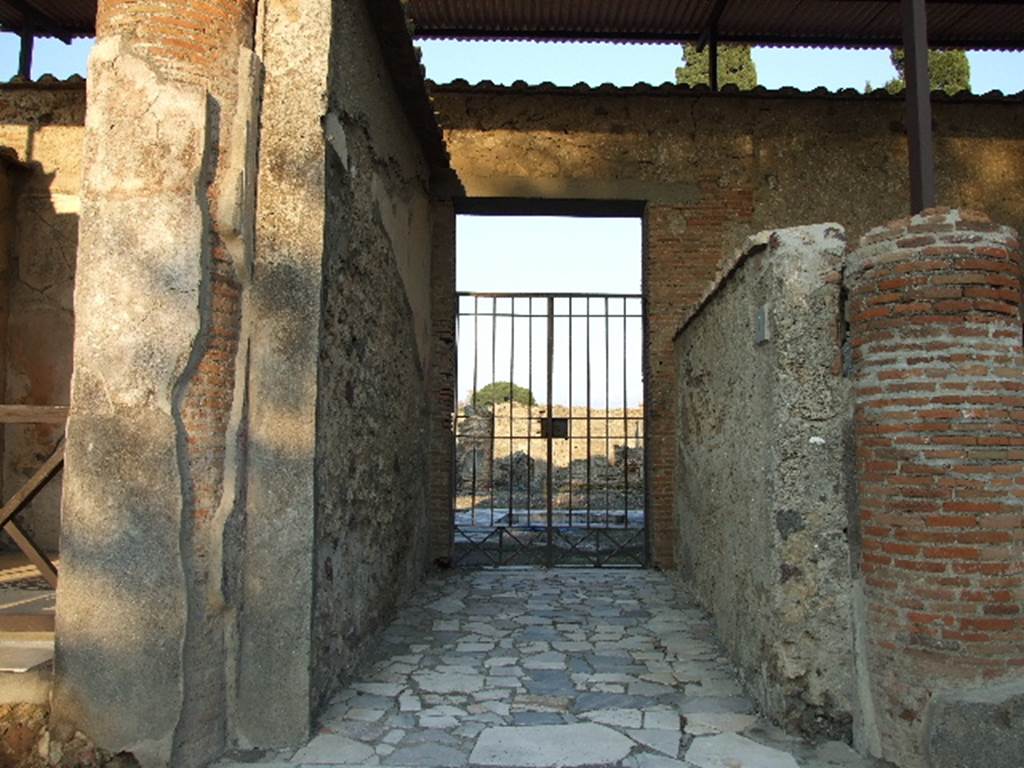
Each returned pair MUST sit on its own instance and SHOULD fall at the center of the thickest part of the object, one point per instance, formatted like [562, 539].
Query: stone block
[982, 728]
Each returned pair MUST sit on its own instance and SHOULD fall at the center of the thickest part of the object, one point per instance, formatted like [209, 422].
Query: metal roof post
[28, 40]
[920, 137]
[713, 58]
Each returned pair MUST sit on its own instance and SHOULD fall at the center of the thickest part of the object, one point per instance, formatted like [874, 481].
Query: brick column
[939, 426]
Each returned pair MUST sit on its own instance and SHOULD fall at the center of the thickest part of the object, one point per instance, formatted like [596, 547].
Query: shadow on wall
[38, 245]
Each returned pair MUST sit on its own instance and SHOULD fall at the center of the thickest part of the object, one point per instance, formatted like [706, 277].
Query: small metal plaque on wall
[554, 428]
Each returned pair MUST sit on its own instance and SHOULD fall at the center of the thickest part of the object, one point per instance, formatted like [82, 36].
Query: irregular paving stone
[730, 750]
[550, 745]
[431, 755]
[646, 760]
[666, 742]
[333, 748]
[711, 723]
[378, 689]
[619, 718]
[485, 652]
[449, 682]
[537, 718]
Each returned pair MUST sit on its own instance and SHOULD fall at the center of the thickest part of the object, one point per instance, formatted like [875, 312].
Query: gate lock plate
[554, 428]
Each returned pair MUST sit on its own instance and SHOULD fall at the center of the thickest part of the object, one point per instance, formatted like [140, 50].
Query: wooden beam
[921, 141]
[32, 486]
[32, 552]
[33, 414]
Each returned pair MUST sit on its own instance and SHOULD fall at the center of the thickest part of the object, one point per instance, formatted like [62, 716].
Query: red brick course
[935, 327]
[677, 271]
[186, 40]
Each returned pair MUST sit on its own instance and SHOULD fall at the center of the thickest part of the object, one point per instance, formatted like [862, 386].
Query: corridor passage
[534, 668]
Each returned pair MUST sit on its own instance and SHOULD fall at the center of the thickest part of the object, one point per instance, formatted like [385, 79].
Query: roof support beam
[28, 41]
[38, 22]
[713, 59]
[710, 37]
[919, 106]
[711, 28]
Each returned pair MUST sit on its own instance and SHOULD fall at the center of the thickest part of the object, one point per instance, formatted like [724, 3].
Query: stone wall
[495, 461]
[763, 416]
[42, 130]
[375, 349]
[712, 169]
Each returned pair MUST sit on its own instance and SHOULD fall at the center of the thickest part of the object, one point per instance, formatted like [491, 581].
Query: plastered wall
[41, 132]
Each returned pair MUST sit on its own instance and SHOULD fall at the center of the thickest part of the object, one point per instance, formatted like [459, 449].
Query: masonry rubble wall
[712, 169]
[376, 349]
[764, 413]
[41, 133]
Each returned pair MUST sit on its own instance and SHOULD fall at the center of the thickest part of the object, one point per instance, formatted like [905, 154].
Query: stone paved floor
[553, 668]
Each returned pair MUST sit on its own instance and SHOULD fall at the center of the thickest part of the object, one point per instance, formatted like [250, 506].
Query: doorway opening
[549, 457]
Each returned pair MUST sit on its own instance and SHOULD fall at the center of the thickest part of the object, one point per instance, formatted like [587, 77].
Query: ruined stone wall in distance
[42, 125]
[373, 423]
[714, 169]
[763, 412]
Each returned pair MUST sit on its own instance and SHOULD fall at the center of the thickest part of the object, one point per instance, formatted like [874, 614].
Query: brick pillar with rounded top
[935, 329]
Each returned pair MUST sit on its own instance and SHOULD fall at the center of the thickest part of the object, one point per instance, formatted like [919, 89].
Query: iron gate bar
[590, 430]
[555, 541]
[551, 439]
[529, 422]
[494, 371]
[512, 421]
[571, 366]
[625, 417]
[607, 401]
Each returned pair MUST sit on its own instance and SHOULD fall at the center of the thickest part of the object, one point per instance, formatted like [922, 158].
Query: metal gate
[549, 448]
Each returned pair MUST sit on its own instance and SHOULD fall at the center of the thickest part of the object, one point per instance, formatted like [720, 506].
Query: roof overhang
[972, 24]
[63, 19]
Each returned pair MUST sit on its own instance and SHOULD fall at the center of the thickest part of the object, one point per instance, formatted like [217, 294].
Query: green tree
[502, 392]
[735, 66]
[949, 71]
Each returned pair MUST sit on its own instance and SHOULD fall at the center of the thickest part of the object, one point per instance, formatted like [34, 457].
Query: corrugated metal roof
[995, 24]
[522, 88]
[57, 18]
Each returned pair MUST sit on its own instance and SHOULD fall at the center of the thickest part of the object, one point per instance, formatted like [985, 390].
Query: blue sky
[499, 254]
[581, 255]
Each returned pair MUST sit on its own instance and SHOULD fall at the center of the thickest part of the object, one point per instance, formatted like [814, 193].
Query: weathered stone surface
[275, 693]
[332, 748]
[732, 751]
[421, 647]
[372, 431]
[711, 723]
[121, 608]
[442, 682]
[981, 728]
[763, 415]
[544, 746]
